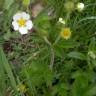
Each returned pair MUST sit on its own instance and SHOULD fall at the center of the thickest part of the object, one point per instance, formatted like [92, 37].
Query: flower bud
[92, 54]
[69, 6]
[80, 6]
[26, 2]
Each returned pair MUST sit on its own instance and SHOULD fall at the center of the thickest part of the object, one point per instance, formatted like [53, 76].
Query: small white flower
[92, 54]
[22, 23]
[80, 6]
[62, 21]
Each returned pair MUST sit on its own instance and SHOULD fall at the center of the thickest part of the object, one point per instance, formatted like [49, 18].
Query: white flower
[22, 23]
[61, 20]
[80, 6]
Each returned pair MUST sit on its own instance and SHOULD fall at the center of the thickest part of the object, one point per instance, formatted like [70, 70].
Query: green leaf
[80, 86]
[58, 51]
[7, 68]
[7, 35]
[67, 44]
[77, 55]
[8, 3]
[92, 44]
[92, 91]
[2, 79]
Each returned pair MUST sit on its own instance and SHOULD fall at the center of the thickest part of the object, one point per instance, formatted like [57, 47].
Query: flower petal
[23, 30]
[25, 15]
[29, 24]
[17, 16]
[80, 6]
[15, 25]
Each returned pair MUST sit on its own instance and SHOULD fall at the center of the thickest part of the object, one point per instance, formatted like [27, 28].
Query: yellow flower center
[66, 33]
[21, 22]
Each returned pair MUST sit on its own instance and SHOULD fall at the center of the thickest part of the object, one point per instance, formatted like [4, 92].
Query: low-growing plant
[47, 48]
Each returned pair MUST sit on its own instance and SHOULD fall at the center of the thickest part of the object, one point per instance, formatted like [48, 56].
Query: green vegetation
[55, 58]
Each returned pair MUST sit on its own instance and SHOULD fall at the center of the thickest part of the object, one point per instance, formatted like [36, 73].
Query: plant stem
[57, 39]
[47, 41]
[52, 58]
[52, 53]
[67, 17]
